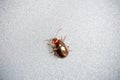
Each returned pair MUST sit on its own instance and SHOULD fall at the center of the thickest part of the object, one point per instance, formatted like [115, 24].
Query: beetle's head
[55, 41]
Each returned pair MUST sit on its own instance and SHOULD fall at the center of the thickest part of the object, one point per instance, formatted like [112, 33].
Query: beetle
[59, 48]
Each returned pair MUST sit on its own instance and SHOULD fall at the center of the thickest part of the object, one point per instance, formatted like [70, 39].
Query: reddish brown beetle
[59, 47]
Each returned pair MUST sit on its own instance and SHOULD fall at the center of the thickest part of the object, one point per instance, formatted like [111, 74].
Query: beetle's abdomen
[62, 51]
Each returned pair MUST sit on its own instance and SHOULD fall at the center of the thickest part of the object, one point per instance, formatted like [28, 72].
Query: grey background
[92, 28]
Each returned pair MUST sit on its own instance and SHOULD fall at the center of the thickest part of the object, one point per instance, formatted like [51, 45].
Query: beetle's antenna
[58, 32]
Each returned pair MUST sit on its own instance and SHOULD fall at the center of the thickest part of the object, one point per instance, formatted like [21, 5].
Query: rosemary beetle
[59, 48]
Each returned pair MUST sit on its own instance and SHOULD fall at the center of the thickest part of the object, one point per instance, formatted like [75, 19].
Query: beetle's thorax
[55, 41]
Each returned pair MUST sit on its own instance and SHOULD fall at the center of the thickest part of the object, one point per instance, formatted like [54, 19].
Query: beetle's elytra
[59, 48]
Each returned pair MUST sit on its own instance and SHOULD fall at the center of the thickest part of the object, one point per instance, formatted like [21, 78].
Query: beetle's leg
[47, 40]
[57, 56]
[49, 44]
[64, 38]
[67, 46]
[61, 38]
[54, 49]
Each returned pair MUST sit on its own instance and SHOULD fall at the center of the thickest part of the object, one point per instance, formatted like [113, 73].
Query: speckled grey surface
[92, 28]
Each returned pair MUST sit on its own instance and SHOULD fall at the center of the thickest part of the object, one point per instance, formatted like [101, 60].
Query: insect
[59, 48]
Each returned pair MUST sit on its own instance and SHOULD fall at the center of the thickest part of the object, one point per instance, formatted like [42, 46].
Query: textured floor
[92, 28]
